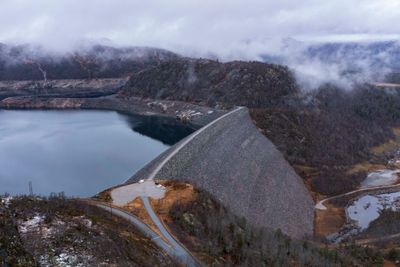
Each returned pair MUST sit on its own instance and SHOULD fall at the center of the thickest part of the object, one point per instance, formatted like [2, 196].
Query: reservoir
[78, 152]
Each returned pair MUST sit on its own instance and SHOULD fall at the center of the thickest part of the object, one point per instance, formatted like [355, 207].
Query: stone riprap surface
[233, 161]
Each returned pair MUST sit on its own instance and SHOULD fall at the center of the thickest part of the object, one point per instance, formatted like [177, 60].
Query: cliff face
[251, 84]
[241, 168]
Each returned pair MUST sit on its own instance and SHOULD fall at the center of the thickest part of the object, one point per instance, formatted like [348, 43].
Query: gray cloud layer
[229, 28]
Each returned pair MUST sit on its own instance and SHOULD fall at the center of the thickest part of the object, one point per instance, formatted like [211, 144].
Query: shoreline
[100, 94]
[196, 115]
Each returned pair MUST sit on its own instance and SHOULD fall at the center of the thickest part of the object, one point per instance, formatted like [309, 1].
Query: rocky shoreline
[79, 94]
[75, 88]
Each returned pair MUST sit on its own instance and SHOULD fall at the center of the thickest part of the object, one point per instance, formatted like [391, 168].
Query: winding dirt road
[320, 204]
[172, 248]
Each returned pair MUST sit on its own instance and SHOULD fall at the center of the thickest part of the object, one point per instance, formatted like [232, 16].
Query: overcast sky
[225, 27]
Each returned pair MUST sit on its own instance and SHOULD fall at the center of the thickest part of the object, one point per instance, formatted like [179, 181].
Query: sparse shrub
[393, 254]
[222, 235]
[331, 131]
[106, 239]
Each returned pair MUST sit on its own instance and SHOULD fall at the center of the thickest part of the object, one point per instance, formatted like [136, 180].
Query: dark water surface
[78, 152]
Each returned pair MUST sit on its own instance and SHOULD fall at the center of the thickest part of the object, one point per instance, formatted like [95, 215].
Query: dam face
[240, 167]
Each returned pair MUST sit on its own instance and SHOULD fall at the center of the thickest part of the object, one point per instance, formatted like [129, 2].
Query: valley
[279, 170]
[199, 133]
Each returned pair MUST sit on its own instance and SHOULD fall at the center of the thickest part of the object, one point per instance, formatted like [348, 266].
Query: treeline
[220, 238]
[329, 130]
[24, 62]
[212, 83]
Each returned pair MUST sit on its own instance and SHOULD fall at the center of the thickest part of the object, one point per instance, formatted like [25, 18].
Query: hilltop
[323, 132]
[208, 82]
[26, 62]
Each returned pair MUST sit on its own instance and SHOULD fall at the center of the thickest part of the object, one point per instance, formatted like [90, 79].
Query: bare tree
[39, 66]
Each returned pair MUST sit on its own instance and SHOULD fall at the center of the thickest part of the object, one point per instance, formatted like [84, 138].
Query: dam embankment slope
[241, 168]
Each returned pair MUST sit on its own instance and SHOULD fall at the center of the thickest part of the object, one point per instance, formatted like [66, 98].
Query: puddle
[366, 209]
[380, 178]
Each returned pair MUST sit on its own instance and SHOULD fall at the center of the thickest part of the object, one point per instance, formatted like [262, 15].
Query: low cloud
[343, 63]
[226, 29]
[222, 27]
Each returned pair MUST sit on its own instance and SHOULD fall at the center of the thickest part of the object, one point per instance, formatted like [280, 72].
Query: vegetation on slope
[323, 133]
[385, 225]
[25, 62]
[220, 238]
[325, 137]
[252, 84]
[55, 231]
[12, 251]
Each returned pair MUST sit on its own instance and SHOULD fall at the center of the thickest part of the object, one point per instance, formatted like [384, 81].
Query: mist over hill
[295, 108]
[341, 63]
[328, 127]
[344, 64]
[324, 128]
[27, 62]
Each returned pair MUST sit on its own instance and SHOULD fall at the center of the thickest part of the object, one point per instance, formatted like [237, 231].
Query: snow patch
[31, 225]
[6, 201]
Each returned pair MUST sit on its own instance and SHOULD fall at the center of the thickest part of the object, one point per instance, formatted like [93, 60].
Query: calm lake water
[78, 152]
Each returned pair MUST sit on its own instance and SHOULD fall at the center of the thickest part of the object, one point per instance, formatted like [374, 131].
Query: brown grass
[136, 207]
[385, 147]
[329, 221]
[175, 192]
[364, 167]
[387, 263]
[388, 146]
